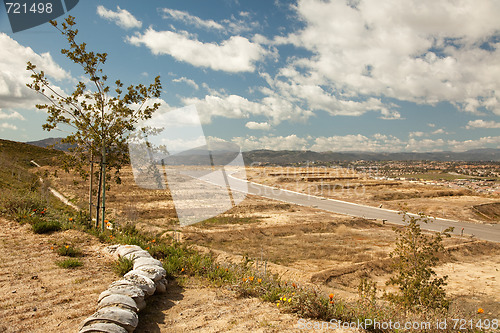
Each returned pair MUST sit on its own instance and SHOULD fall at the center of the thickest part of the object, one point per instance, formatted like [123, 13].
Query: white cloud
[258, 126]
[276, 108]
[123, 18]
[425, 145]
[479, 123]
[375, 143]
[431, 125]
[190, 19]
[474, 144]
[416, 134]
[232, 25]
[11, 115]
[232, 106]
[7, 126]
[423, 51]
[14, 76]
[187, 81]
[439, 131]
[236, 54]
[291, 142]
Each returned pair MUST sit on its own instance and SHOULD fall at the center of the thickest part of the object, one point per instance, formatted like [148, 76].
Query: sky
[350, 75]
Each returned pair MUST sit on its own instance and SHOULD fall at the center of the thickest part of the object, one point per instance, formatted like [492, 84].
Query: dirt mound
[490, 211]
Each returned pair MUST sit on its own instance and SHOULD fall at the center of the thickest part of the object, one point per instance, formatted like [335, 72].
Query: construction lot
[310, 246]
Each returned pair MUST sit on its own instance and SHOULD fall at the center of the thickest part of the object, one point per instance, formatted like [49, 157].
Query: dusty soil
[193, 309]
[313, 246]
[38, 296]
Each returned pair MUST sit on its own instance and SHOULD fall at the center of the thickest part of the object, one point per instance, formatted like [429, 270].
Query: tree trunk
[91, 184]
[98, 199]
[103, 182]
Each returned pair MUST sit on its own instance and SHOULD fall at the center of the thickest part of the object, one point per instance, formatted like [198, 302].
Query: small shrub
[123, 265]
[69, 263]
[415, 255]
[69, 251]
[44, 227]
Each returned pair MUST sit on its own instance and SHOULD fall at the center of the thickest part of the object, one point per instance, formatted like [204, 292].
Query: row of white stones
[118, 306]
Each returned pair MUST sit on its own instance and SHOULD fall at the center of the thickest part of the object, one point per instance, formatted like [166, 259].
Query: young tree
[101, 119]
[415, 255]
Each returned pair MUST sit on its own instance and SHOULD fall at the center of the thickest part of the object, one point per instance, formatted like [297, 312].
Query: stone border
[118, 306]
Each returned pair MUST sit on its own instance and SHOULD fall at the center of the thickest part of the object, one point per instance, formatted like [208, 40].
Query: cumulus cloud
[122, 18]
[187, 81]
[231, 106]
[377, 142]
[232, 25]
[4, 126]
[190, 19]
[14, 76]
[236, 54]
[258, 126]
[274, 107]
[421, 51]
[357, 142]
[290, 142]
[11, 115]
[483, 142]
[479, 123]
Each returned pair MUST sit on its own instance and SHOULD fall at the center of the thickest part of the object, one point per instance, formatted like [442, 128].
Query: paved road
[489, 232]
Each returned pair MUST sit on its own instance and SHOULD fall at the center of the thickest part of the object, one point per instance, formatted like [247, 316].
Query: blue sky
[392, 75]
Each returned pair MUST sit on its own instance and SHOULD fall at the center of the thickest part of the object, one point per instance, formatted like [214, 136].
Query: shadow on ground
[153, 315]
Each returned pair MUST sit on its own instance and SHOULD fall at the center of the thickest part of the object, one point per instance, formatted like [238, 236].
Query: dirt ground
[38, 296]
[312, 246]
[191, 309]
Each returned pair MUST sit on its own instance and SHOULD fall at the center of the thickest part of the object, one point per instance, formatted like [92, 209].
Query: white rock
[103, 328]
[141, 304]
[146, 284]
[137, 254]
[147, 262]
[121, 301]
[121, 282]
[161, 286]
[155, 273]
[126, 249]
[127, 319]
[131, 291]
[112, 248]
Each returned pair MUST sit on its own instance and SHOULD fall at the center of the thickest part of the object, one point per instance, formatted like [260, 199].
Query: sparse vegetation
[123, 266]
[69, 251]
[70, 263]
[415, 256]
[44, 227]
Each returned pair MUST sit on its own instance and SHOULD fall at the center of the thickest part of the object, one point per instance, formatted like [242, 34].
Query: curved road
[489, 232]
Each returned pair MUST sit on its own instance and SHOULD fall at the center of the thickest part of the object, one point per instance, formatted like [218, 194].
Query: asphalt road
[489, 232]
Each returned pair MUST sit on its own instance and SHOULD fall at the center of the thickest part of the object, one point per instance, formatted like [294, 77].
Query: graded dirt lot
[311, 246]
[364, 188]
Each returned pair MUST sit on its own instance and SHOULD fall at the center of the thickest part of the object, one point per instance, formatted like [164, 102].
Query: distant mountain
[287, 157]
[51, 143]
